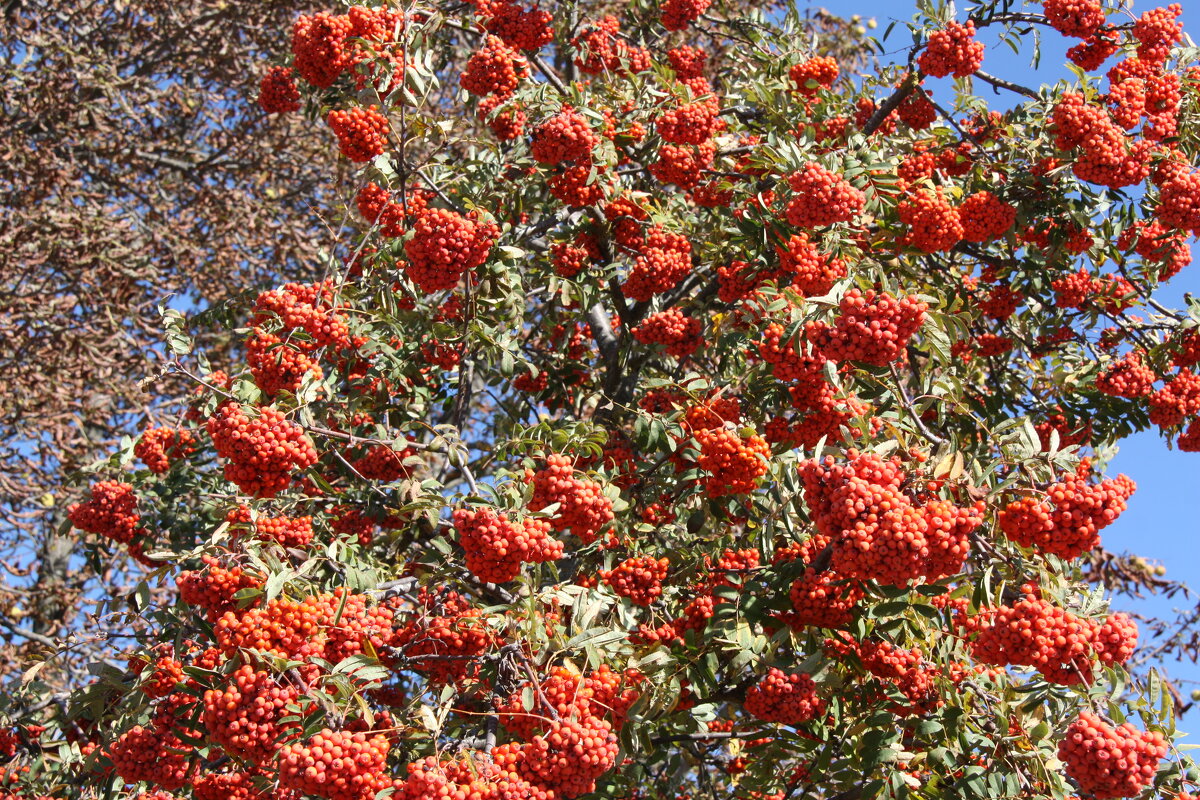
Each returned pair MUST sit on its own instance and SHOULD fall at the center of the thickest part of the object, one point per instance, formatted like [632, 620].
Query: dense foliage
[687, 419]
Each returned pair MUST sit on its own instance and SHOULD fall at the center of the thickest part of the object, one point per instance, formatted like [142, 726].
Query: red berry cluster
[1000, 303]
[665, 260]
[111, 512]
[276, 365]
[244, 717]
[1128, 377]
[569, 757]
[306, 307]
[583, 508]
[683, 165]
[578, 186]
[692, 123]
[277, 93]
[262, 452]
[807, 370]
[1179, 202]
[519, 27]
[1077, 18]
[985, 217]
[821, 197]
[1093, 51]
[571, 258]
[1157, 31]
[361, 132]
[338, 765]
[495, 68]
[1067, 522]
[1176, 401]
[952, 51]
[563, 137]
[1106, 155]
[600, 48]
[319, 47]
[156, 757]
[673, 329]
[678, 14]
[687, 61]
[1035, 633]
[497, 547]
[734, 461]
[814, 74]
[445, 639]
[212, 587]
[640, 578]
[382, 462]
[812, 273]
[1107, 762]
[906, 671]
[934, 224]
[872, 327]
[879, 533]
[444, 246]
[287, 531]
[789, 699]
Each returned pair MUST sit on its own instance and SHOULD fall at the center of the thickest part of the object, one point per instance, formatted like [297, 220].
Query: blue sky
[1162, 523]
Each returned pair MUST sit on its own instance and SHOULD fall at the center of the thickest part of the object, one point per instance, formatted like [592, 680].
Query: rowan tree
[659, 429]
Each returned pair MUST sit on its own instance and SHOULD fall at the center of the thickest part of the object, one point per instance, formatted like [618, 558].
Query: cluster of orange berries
[665, 259]
[308, 308]
[905, 670]
[563, 137]
[1035, 633]
[571, 258]
[262, 452]
[876, 530]
[444, 246]
[934, 224]
[1177, 400]
[1157, 31]
[160, 447]
[1067, 522]
[519, 27]
[821, 70]
[1077, 18]
[789, 699]
[213, 587]
[691, 123]
[984, 217]
[821, 197]
[810, 272]
[678, 14]
[682, 164]
[445, 637]
[154, 756]
[287, 531]
[277, 92]
[734, 461]
[1127, 377]
[111, 511]
[1107, 762]
[952, 51]
[494, 69]
[583, 508]
[678, 333]
[496, 547]
[873, 327]
[361, 132]
[569, 757]
[639, 578]
[603, 694]
[1108, 158]
[337, 765]
[600, 48]
[244, 717]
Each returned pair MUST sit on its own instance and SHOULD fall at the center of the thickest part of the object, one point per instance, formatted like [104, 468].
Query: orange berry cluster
[678, 14]
[682, 164]
[821, 197]
[262, 452]
[952, 51]
[308, 308]
[734, 462]
[678, 333]
[444, 246]
[822, 71]
[1078, 18]
[872, 327]
[497, 547]
[603, 694]
[381, 462]
[692, 123]
[495, 68]
[278, 366]
[111, 511]
[244, 717]
[233, 786]
[811, 272]
[521, 28]
[1107, 762]
[1067, 522]
[1157, 31]
[687, 61]
[213, 586]
[154, 756]
[878, 532]
[906, 671]
[582, 507]
[789, 699]
[445, 638]
[1000, 303]
[1107, 156]
[934, 224]
[600, 48]
[569, 757]
[563, 137]
[640, 578]
[287, 531]
[985, 217]
[338, 765]
[1035, 633]
[806, 370]
[494, 778]
[361, 132]
[1128, 377]
[571, 258]
[1176, 401]
[277, 92]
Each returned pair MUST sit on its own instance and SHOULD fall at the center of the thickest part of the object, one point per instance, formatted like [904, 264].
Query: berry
[444, 246]
[583, 508]
[497, 547]
[640, 579]
[563, 137]
[734, 462]
[362, 132]
[1068, 521]
[262, 452]
[1109, 762]
[674, 330]
[277, 94]
[788, 699]
[821, 197]
[952, 51]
